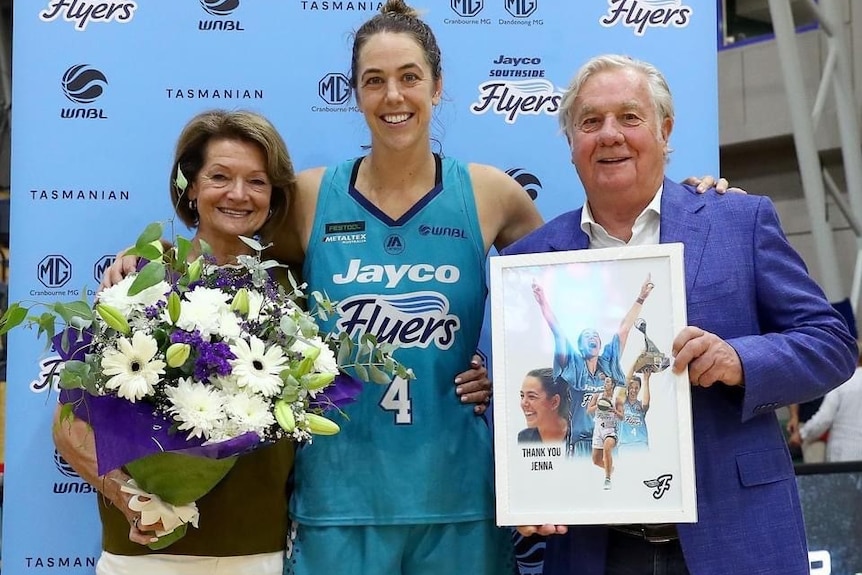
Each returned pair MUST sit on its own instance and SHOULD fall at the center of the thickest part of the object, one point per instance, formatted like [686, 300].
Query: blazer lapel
[683, 220]
[568, 235]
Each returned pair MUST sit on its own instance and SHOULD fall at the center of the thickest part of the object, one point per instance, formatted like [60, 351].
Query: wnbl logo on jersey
[426, 230]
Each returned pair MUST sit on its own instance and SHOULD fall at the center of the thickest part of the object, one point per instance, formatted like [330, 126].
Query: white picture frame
[544, 481]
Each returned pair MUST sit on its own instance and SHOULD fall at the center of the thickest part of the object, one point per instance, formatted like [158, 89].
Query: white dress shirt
[646, 230]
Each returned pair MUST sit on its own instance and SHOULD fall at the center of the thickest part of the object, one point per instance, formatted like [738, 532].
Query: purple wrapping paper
[339, 393]
[126, 431]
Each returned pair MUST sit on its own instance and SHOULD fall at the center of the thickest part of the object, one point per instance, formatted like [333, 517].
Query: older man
[762, 335]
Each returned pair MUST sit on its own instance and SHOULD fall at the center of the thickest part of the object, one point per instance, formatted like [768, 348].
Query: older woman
[240, 176]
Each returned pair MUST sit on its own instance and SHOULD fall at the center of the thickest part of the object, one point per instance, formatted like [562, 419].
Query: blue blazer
[745, 283]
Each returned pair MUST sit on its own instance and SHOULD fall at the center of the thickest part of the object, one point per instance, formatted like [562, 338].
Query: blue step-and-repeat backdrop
[102, 89]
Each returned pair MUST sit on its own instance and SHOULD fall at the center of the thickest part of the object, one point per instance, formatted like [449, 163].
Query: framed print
[591, 425]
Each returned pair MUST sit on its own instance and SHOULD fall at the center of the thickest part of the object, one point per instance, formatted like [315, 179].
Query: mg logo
[100, 266]
[521, 8]
[334, 89]
[54, 271]
[467, 8]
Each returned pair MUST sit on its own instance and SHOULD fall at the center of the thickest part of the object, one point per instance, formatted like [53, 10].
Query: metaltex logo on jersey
[83, 12]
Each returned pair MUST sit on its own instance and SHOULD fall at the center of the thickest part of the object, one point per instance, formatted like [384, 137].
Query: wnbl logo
[54, 271]
[83, 84]
[528, 181]
[334, 89]
[467, 8]
[75, 486]
[521, 8]
[220, 8]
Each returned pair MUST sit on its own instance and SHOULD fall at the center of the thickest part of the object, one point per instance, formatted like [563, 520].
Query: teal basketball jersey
[408, 452]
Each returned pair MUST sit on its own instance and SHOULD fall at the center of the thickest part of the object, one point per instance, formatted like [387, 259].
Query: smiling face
[232, 190]
[396, 91]
[538, 408]
[589, 343]
[619, 145]
[632, 389]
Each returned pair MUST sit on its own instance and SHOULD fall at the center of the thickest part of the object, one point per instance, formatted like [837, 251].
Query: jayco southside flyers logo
[82, 12]
[221, 9]
[641, 14]
[509, 97]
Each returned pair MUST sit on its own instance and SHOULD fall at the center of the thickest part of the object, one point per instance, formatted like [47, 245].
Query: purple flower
[213, 359]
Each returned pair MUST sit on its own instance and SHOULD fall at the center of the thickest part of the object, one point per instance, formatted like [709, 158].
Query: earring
[193, 205]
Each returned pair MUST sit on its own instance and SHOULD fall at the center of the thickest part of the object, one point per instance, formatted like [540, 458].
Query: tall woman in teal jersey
[399, 237]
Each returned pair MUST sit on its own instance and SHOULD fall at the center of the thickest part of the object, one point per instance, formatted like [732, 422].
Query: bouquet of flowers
[184, 365]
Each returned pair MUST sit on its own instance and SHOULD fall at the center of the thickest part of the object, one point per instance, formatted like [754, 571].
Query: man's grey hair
[659, 90]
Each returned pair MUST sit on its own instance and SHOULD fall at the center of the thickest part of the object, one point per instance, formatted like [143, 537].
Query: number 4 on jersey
[397, 399]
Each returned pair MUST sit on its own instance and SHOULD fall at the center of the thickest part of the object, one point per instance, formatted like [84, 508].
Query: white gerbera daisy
[132, 368]
[203, 309]
[197, 406]
[117, 296]
[249, 412]
[256, 367]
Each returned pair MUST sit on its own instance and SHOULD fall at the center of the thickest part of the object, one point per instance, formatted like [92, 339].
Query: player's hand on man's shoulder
[706, 183]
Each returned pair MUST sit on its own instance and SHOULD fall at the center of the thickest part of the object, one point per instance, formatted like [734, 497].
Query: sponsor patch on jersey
[344, 227]
[344, 233]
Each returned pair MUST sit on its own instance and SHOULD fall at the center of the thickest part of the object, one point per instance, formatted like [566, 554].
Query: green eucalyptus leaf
[152, 233]
[69, 310]
[206, 249]
[13, 317]
[181, 182]
[153, 273]
[184, 248]
[361, 372]
[67, 413]
[252, 243]
[146, 251]
[74, 375]
[47, 324]
[344, 352]
[377, 375]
